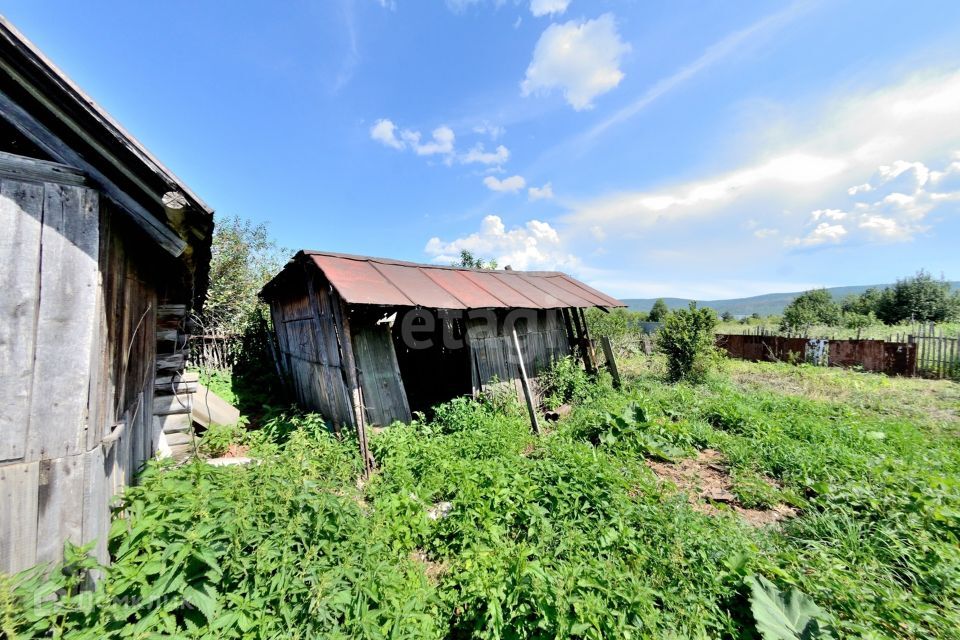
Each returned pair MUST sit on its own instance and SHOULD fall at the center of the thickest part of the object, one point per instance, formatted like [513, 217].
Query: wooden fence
[938, 356]
[925, 351]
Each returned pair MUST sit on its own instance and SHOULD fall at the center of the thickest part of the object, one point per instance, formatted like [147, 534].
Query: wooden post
[526, 384]
[611, 362]
[589, 342]
[353, 382]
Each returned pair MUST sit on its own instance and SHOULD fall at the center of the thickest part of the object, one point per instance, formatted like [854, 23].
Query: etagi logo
[430, 328]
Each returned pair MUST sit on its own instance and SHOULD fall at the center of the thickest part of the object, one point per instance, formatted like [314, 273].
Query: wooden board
[59, 512]
[65, 321]
[18, 526]
[385, 400]
[21, 212]
[95, 517]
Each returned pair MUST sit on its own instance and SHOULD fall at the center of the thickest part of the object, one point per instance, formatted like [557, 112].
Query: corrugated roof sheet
[380, 281]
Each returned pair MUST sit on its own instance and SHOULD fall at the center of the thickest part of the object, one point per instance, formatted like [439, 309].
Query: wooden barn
[366, 341]
[104, 252]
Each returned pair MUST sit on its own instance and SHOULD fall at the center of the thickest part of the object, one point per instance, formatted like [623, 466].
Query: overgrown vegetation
[472, 527]
[234, 352]
[687, 338]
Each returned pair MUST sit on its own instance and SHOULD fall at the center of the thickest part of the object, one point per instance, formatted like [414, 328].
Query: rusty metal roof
[380, 281]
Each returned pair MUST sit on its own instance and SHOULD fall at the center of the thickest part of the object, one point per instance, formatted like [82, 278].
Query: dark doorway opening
[433, 357]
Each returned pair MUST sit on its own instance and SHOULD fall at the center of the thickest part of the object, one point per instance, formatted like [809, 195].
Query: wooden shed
[104, 253]
[366, 341]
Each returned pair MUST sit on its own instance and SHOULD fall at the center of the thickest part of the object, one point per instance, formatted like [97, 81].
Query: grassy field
[656, 511]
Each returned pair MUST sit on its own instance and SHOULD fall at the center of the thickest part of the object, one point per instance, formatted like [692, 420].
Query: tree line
[918, 298]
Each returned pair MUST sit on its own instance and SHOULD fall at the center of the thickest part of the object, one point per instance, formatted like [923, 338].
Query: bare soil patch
[707, 484]
[432, 569]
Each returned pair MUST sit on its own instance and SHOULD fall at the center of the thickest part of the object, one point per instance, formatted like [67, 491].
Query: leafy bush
[816, 306]
[566, 381]
[687, 339]
[216, 440]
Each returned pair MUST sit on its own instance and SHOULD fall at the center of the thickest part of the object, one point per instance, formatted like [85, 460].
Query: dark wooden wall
[542, 342]
[306, 317]
[78, 302]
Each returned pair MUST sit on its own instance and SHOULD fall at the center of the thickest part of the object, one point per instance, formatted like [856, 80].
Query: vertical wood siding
[542, 343]
[77, 354]
[384, 398]
[307, 333]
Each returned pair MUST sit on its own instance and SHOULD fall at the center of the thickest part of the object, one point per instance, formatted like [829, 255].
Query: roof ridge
[426, 265]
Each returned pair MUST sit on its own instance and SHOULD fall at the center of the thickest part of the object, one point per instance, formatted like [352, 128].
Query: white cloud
[860, 188]
[536, 245]
[548, 7]
[582, 59]
[829, 214]
[478, 154]
[893, 217]
[713, 55]
[541, 193]
[489, 129]
[809, 165]
[511, 184]
[598, 233]
[697, 198]
[886, 228]
[765, 233]
[890, 172]
[442, 138]
[822, 233]
[385, 132]
[441, 142]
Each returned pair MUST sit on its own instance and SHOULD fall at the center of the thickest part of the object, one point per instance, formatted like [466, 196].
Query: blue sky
[703, 148]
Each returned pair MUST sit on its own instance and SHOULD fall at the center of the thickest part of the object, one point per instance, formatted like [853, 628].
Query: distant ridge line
[766, 304]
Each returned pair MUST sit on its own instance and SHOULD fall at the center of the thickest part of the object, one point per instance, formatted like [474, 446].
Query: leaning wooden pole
[525, 383]
[611, 362]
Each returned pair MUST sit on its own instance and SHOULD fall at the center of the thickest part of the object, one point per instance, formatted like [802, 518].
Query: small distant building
[367, 341]
[104, 253]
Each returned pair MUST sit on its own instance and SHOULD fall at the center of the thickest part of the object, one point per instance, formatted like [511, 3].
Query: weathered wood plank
[171, 361]
[611, 361]
[172, 405]
[59, 512]
[384, 397]
[181, 423]
[95, 517]
[21, 213]
[21, 168]
[18, 527]
[65, 322]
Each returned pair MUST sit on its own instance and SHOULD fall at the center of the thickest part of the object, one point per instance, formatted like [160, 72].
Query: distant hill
[765, 305]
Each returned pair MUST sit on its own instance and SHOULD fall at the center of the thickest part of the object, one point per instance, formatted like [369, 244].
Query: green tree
[469, 261]
[243, 259]
[726, 316]
[659, 311]
[920, 298]
[865, 303]
[688, 340]
[613, 324]
[812, 307]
